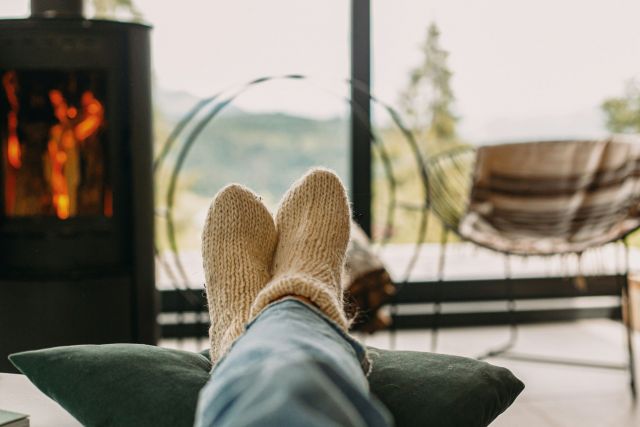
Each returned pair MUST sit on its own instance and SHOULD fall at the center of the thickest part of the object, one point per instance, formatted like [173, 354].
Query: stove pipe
[57, 8]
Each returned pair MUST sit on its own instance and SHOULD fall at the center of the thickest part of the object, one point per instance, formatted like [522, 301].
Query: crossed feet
[251, 259]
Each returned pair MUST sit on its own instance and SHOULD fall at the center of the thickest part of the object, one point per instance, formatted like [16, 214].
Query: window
[518, 71]
[273, 131]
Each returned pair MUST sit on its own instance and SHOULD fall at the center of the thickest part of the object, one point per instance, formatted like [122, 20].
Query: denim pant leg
[292, 367]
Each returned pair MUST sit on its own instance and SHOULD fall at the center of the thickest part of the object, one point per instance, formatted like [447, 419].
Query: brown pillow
[367, 284]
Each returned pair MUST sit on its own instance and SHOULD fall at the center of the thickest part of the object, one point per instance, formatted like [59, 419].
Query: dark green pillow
[138, 385]
[119, 384]
[430, 389]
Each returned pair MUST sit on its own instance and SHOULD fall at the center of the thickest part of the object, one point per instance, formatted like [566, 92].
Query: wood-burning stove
[76, 194]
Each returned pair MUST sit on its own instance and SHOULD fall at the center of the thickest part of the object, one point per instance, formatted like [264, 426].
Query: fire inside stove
[53, 139]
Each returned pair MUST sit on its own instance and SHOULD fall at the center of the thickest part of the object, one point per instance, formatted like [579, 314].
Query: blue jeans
[292, 367]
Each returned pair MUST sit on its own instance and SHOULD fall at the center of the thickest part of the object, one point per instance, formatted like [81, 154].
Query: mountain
[265, 151]
[175, 104]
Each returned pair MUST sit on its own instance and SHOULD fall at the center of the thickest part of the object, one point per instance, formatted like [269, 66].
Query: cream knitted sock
[313, 223]
[238, 242]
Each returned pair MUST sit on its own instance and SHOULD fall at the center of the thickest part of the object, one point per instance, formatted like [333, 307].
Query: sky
[516, 61]
[521, 68]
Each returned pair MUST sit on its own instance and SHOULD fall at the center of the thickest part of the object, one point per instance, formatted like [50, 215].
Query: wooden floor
[555, 395]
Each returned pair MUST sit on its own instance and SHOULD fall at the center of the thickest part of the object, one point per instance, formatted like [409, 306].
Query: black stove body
[76, 191]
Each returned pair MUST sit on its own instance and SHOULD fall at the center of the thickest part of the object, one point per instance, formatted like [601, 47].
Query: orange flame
[9, 83]
[74, 128]
[93, 117]
[14, 155]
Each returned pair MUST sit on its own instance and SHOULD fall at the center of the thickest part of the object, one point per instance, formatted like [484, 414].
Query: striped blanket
[552, 197]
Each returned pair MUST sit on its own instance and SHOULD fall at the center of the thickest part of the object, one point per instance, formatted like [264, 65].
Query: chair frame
[505, 350]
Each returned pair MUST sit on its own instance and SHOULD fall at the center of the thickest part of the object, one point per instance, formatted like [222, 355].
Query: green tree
[623, 114]
[428, 99]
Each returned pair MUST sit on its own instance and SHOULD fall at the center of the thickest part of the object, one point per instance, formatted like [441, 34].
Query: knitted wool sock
[238, 242]
[313, 223]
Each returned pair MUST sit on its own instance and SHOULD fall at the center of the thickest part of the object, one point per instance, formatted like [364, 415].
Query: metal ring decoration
[219, 102]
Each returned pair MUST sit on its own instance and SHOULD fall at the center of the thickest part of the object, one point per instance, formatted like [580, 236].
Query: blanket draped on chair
[552, 197]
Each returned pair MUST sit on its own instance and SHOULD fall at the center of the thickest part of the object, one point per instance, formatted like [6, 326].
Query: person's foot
[238, 243]
[313, 223]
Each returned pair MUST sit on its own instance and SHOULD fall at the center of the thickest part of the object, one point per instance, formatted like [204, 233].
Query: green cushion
[138, 385]
[430, 389]
[119, 384]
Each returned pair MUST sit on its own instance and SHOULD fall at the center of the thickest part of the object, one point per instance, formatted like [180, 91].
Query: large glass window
[470, 73]
[272, 131]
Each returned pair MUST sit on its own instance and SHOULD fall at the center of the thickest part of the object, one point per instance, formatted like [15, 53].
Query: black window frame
[452, 291]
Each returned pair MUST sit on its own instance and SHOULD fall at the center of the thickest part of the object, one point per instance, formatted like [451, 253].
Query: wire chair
[540, 199]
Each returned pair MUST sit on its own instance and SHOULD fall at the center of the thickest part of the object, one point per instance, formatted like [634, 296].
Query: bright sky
[517, 65]
[515, 60]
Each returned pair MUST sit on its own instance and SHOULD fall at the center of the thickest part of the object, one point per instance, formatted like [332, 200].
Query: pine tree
[428, 99]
